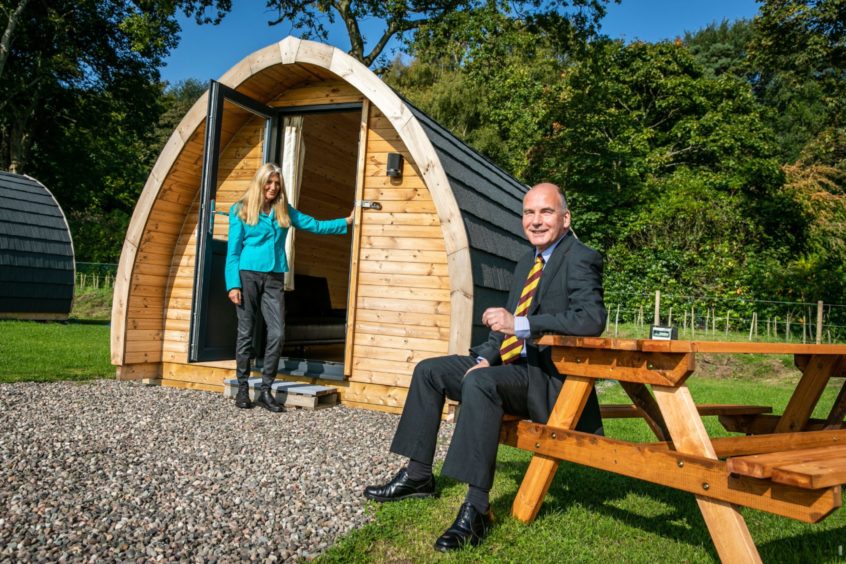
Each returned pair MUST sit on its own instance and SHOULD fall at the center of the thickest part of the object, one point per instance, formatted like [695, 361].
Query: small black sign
[664, 333]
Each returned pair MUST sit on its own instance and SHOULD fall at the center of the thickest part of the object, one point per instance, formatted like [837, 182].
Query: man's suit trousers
[485, 395]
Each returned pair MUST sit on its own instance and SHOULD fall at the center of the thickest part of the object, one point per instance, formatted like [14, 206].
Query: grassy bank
[588, 515]
[594, 516]
[77, 349]
[34, 351]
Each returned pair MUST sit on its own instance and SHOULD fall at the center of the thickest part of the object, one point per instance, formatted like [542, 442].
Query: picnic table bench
[788, 464]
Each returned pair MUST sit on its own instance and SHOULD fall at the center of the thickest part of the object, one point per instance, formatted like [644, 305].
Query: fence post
[657, 307]
[819, 321]
[617, 321]
[787, 328]
[707, 318]
[727, 324]
[684, 322]
[804, 325]
[670, 318]
[692, 321]
[753, 326]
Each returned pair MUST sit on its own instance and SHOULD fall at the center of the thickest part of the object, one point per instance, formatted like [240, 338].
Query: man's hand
[235, 296]
[481, 364]
[499, 319]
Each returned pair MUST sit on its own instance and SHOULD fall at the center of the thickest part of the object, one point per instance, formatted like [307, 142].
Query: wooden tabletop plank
[649, 345]
[813, 475]
[761, 444]
[762, 465]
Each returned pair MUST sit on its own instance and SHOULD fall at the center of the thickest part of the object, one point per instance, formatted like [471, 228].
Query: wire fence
[712, 318]
[95, 275]
[694, 317]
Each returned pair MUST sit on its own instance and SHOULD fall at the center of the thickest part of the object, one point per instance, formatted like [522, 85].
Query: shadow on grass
[75, 321]
[675, 514]
[670, 513]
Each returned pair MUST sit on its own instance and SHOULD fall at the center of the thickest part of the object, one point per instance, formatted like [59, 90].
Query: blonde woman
[255, 266]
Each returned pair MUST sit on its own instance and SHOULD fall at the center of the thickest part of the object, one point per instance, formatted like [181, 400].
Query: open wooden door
[213, 318]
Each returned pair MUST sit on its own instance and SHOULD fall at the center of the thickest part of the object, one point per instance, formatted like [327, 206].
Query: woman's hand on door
[235, 296]
[350, 217]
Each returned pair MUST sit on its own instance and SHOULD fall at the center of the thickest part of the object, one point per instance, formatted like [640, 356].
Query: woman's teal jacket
[261, 247]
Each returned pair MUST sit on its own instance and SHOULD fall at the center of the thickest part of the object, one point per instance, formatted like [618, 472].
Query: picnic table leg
[641, 397]
[838, 410]
[816, 372]
[565, 415]
[725, 523]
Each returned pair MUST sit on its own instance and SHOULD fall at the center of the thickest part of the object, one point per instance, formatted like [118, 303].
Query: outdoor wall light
[394, 165]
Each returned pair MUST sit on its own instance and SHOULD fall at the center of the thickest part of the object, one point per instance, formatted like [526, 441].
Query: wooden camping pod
[37, 266]
[413, 276]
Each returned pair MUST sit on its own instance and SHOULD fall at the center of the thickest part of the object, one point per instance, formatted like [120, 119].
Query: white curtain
[293, 155]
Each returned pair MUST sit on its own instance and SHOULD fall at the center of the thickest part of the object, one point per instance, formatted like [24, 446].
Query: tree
[491, 78]
[669, 170]
[798, 48]
[79, 101]
[400, 17]
[54, 48]
[722, 48]
[12, 19]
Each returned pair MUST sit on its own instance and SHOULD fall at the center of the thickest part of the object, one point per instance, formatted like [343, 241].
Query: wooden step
[289, 394]
[811, 468]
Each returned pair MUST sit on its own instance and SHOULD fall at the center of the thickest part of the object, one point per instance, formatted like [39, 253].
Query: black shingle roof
[490, 202]
[36, 252]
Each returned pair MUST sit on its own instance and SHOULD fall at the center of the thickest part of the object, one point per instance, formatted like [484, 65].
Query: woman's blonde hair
[249, 205]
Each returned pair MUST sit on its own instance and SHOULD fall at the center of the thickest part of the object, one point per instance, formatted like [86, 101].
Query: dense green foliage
[711, 168]
[401, 19]
[80, 99]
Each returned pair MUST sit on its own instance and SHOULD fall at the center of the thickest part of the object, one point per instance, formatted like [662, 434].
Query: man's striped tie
[511, 347]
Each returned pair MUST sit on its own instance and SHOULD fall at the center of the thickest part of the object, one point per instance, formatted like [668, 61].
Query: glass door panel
[241, 135]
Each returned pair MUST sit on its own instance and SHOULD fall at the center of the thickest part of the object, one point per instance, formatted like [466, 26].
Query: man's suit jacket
[569, 301]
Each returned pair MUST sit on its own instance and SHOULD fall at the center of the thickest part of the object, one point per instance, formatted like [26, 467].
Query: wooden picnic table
[788, 464]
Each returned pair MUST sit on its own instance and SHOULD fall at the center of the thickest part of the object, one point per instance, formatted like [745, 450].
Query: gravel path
[120, 471]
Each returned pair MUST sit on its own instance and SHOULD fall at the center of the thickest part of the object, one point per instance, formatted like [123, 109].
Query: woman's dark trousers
[260, 291]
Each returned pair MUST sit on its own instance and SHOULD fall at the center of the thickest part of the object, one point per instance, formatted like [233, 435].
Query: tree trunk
[18, 141]
[6, 40]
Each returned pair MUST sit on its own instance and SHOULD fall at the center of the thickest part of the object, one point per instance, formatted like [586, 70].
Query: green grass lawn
[49, 351]
[34, 351]
[595, 516]
[588, 515]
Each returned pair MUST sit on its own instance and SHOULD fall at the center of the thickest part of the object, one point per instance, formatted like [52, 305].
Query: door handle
[370, 205]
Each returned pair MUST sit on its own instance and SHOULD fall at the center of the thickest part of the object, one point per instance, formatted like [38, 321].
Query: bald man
[557, 288]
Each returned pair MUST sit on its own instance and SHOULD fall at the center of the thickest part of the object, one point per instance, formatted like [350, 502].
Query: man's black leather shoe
[401, 487]
[267, 401]
[242, 400]
[470, 527]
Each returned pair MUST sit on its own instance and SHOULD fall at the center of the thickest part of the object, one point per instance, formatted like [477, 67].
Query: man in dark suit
[557, 288]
